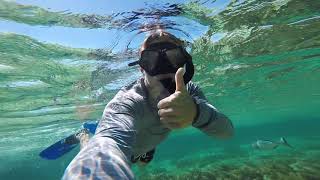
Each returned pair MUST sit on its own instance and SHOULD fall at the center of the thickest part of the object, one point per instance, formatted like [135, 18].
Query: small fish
[267, 145]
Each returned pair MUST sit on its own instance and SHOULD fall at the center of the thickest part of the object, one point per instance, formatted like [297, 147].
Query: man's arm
[108, 153]
[209, 120]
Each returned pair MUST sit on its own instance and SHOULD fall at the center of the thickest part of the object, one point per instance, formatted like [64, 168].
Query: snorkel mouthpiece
[169, 84]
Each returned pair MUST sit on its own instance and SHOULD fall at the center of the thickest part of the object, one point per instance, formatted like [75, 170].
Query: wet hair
[161, 36]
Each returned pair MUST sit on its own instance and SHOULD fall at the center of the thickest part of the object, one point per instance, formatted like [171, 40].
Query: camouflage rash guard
[130, 126]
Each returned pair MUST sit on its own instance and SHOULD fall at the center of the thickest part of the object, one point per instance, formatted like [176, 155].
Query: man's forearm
[101, 158]
[212, 122]
[221, 126]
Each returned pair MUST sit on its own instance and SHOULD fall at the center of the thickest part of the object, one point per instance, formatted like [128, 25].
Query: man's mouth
[168, 84]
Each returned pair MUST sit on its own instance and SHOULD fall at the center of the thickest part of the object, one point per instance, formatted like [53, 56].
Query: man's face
[161, 85]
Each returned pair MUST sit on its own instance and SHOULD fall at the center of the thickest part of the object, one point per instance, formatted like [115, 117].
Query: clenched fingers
[168, 101]
[166, 112]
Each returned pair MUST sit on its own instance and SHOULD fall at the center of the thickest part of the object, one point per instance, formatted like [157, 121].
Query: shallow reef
[290, 164]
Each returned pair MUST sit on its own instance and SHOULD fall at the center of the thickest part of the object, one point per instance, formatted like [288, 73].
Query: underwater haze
[257, 61]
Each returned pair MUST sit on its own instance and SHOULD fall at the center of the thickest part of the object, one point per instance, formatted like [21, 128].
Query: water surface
[257, 61]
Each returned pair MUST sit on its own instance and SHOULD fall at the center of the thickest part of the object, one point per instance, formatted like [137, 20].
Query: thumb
[180, 86]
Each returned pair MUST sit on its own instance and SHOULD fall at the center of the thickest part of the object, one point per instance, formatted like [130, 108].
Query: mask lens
[149, 59]
[176, 57]
[160, 60]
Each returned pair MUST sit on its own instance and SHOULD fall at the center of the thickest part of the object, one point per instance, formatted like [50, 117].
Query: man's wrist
[206, 113]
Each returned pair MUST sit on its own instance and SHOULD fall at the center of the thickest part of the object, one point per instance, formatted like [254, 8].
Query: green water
[257, 61]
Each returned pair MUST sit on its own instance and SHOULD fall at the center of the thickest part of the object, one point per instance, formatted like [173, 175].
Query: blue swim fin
[60, 148]
[65, 145]
[90, 126]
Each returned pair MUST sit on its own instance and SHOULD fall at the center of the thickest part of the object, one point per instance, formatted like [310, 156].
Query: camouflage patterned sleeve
[108, 153]
[209, 120]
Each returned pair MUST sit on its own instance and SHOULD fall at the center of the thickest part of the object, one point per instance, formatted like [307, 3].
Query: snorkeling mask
[164, 58]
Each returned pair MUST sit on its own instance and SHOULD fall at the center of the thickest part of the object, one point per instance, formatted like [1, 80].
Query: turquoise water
[257, 61]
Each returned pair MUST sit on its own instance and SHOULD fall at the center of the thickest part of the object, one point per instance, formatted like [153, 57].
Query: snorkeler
[142, 114]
